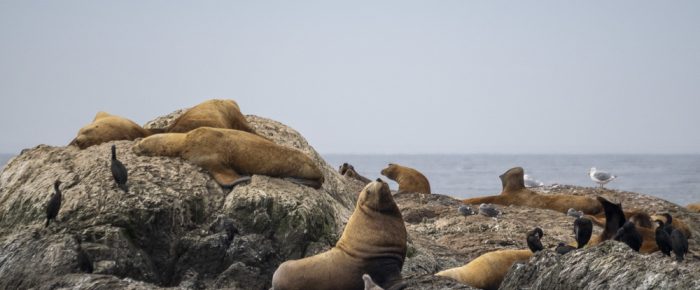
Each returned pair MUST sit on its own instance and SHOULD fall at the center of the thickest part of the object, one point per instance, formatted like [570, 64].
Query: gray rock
[610, 265]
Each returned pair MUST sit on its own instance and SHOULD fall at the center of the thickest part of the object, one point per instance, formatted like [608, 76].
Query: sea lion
[533, 240]
[119, 171]
[54, 204]
[694, 207]
[615, 219]
[227, 154]
[373, 243]
[663, 239]
[583, 230]
[369, 283]
[105, 128]
[409, 179]
[348, 170]
[515, 193]
[224, 114]
[488, 270]
[679, 244]
[629, 235]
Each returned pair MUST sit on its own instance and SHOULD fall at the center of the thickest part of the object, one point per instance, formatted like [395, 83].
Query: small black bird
[119, 171]
[583, 228]
[83, 260]
[668, 225]
[54, 204]
[629, 235]
[533, 240]
[663, 240]
[679, 243]
[564, 248]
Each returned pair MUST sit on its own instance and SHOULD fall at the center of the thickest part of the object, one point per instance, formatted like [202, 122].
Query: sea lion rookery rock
[373, 243]
[230, 154]
[105, 128]
[515, 193]
[409, 179]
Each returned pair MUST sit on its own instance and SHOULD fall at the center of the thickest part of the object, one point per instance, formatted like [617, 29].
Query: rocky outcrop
[175, 227]
[610, 265]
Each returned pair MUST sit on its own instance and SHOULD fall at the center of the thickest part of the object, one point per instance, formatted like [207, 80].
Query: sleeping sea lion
[227, 154]
[488, 270]
[105, 128]
[224, 114]
[515, 193]
[409, 179]
[373, 243]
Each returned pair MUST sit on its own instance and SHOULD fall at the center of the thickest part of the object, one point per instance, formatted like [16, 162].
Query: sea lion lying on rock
[409, 179]
[694, 207]
[224, 114]
[488, 270]
[105, 128]
[515, 193]
[348, 170]
[373, 243]
[228, 154]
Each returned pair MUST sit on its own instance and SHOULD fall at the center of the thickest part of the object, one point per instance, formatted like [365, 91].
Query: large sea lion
[373, 243]
[228, 154]
[224, 114]
[615, 219]
[409, 179]
[488, 270]
[515, 193]
[105, 128]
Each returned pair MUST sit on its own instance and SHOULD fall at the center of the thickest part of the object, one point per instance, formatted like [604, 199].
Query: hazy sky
[366, 77]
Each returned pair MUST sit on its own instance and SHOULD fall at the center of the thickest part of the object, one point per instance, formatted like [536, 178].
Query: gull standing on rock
[488, 210]
[531, 182]
[601, 177]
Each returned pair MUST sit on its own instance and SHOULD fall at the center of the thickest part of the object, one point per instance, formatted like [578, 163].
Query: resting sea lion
[488, 270]
[224, 114]
[348, 170]
[515, 193]
[227, 154]
[105, 128]
[409, 179]
[695, 207]
[373, 243]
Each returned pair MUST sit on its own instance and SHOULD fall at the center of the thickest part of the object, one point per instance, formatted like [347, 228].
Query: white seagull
[601, 177]
[531, 182]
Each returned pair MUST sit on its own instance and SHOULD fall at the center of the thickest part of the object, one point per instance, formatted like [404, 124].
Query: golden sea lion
[515, 193]
[105, 128]
[695, 207]
[488, 270]
[348, 170]
[227, 154]
[224, 114]
[373, 243]
[409, 179]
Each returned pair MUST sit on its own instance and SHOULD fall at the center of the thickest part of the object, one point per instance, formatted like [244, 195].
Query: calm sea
[672, 177]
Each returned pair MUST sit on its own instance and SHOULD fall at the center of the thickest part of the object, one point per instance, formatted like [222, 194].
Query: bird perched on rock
[663, 239]
[574, 213]
[54, 204]
[629, 235]
[679, 243]
[564, 248]
[600, 177]
[119, 171]
[531, 182]
[533, 240]
[488, 210]
[466, 211]
[369, 284]
[583, 229]
[83, 260]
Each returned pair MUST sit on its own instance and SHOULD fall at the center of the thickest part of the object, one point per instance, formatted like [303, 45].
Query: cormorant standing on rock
[668, 226]
[629, 235]
[679, 243]
[83, 260]
[533, 240]
[583, 228]
[119, 171]
[564, 248]
[54, 204]
[663, 240]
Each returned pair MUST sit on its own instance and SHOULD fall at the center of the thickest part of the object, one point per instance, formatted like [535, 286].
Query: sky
[381, 77]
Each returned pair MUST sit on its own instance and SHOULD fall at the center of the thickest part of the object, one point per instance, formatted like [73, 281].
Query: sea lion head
[513, 179]
[377, 196]
[390, 171]
[93, 134]
[168, 144]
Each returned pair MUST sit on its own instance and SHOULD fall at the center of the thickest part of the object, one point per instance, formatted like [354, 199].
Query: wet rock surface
[178, 229]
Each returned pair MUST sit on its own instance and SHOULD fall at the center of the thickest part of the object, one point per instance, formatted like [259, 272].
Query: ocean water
[672, 177]
[675, 178]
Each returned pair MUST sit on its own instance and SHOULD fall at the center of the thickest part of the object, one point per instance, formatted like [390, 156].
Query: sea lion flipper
[224, 176]
[305, 182]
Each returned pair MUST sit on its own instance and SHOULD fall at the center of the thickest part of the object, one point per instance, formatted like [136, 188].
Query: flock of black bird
[120, 175]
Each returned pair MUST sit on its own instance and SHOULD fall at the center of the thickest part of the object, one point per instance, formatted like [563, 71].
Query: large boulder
[175, 227]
